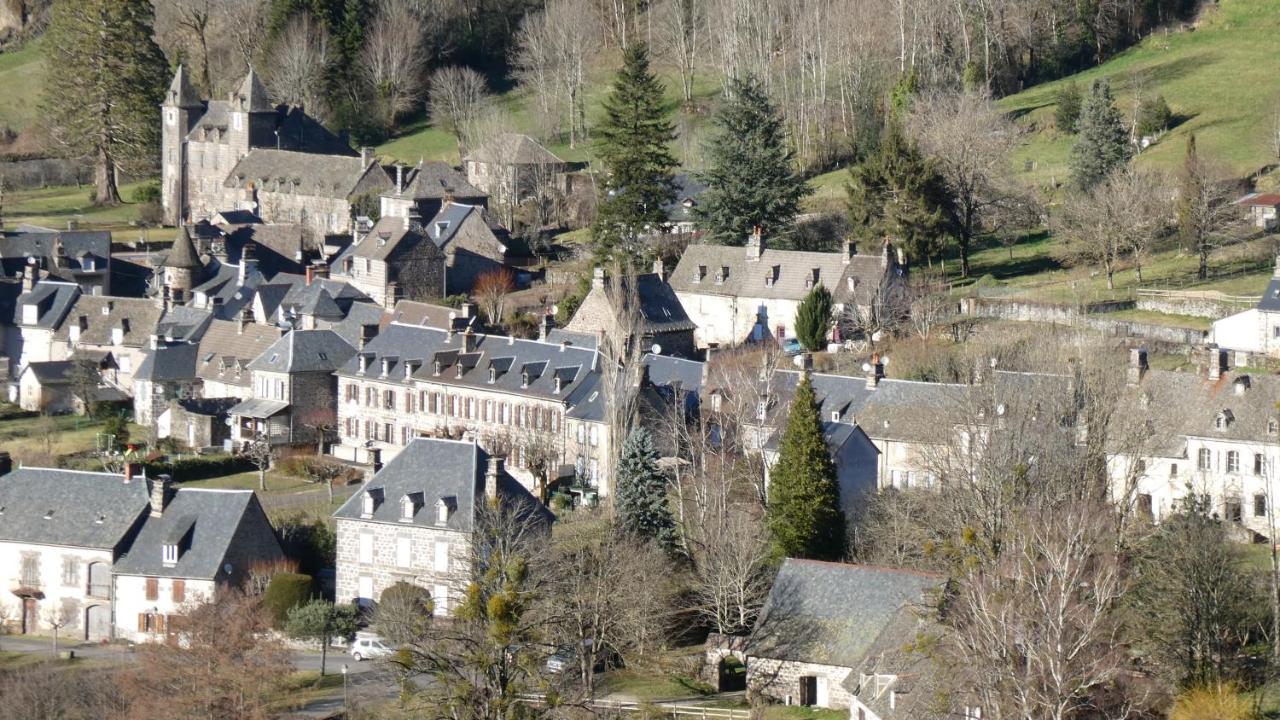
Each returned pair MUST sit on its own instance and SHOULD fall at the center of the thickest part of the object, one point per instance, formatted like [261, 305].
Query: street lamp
[344, 686]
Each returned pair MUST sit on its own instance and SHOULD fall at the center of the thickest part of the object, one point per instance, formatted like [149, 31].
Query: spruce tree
[1067, 112]
[899, 194]
[1103, 143]
[105, 80]
[751, 175]
[633, 144]
[804, 515]
[813, 319]
[641, 495]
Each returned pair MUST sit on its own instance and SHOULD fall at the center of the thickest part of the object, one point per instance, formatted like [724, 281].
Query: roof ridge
[868, 566]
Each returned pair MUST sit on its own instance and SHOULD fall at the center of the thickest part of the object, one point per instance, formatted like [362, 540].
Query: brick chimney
[755, 244]
[161, 493]
[491, 474]
[875, 371]
[245, 319]
[131, 471]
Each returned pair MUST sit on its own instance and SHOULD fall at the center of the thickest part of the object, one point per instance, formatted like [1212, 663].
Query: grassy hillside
[1220, 80]
[21, 82]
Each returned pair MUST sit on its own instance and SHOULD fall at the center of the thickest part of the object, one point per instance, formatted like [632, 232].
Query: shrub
[311, 543]
[1154, 116]
[285, 591]
[200, 467]
[146, 193]
[403, 613]
[1220, 702]
[150, 214]
[1069, 99]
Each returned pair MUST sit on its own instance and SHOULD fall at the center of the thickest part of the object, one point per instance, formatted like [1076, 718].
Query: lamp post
[344, 687]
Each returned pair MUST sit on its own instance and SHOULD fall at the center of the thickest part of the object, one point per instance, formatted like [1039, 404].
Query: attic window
[1273, 426]
[835, 416]
[106, 309]
[700, 273]
[724, 274]
[493, 375]
[1223, 420]
[442, 227]
[170, 551]
[442, 512]
[323, 356]
[274, 357]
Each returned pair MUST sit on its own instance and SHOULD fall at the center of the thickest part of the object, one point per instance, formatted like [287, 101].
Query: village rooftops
[201, 524]
[45, 506]
[46, 304]
[302, 351]
[101, 320]
[309, 173]
[513, 149]
[412, 312]
[226, 349]
[401, 493]
[435, 180]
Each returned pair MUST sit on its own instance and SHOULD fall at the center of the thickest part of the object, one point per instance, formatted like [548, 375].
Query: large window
[1204, 459]
[403, 552]
[31, 570]
[70, 571]
[1233, 461]
[366, 547]
[441, 563]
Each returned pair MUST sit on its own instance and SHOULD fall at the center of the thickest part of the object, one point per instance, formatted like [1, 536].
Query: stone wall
[384, 570]
[1092, 316]
[780, 680]
[1188, 304]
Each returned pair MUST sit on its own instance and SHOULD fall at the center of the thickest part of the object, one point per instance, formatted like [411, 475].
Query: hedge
[284, 592]
[199, 467]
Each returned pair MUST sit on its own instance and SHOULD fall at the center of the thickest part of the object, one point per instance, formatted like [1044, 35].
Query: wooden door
[808, 689]
[30, 615]
[97, 624]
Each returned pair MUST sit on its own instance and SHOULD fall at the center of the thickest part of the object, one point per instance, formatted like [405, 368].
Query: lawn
[54, 206]
[21, 83]
[277, 483]
[35, 440]
[1219, 79]
[799, 712]
[646, 686]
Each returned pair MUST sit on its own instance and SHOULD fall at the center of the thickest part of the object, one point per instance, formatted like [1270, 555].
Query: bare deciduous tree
[681, 36]
[260, 453]
[458, 100]
[297, 63]
[1100, 226]
[554, 48]
[490, 291]
[393, 59]
[57, 617]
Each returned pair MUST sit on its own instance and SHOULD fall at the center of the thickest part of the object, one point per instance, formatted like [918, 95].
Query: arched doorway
[97, 623]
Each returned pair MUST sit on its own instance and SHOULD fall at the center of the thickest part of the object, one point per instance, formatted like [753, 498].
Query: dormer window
[1273, 426]
[364, 364]
[443, 511]
[835, 416]
[559, 385]
[1223, 420]
[435, 367]
[700, 273]
[409, 506]
[493, 375]
[524, 379]
[724, 274]
[170, 551]
[460, 368]
[106, 309]
[442, 227]
[370, 502]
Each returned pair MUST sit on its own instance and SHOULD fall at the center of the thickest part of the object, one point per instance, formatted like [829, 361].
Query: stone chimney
[310, 274]
[245, 319]
[1137, 365]
[248, 261]
[399, 178]
[160, 494]
[491, 474]
[468, 342]
[850, 250]
[660, 269]
[367, 333]
[468, 309]
[366, 156]
[131, 471]
[875, 371]
[545, 327]
[6, 463]
[755, 245]
[597, 278]
[1215, 357]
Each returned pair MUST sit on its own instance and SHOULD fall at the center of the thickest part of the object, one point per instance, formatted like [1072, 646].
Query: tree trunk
[1202, 272]
[105, 191]
[1111, 278]
[329, 486]
[262, 478]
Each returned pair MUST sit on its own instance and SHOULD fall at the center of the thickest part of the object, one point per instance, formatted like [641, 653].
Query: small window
[1260, 505]
[1173, 470]
[1258, 463]
[1233, 461]
[170, 551]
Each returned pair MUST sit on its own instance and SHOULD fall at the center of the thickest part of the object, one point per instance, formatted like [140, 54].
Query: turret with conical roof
[181, 269]
[251, 96]
[181, 94]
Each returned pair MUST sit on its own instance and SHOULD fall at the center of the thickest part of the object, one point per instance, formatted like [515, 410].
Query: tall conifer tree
[751, 174]
[641, 498]
[804, 515]
[105, 80]
[633, 143]
[1102, 144]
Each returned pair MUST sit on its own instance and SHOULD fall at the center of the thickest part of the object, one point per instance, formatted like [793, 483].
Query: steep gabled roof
[45, 506]
[307, 173]
[437, 180]
[513, 149]
[181, 93]
[304, 351]
[254, 94]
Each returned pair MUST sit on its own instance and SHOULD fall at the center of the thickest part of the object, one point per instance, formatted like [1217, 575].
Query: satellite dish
[884, 360]
[866, 367]
[228, 422]
[656, 349]
[227, 568]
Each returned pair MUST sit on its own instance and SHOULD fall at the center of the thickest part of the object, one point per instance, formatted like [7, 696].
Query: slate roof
[578, 339]
[183, 323]
[202, 522]
[306, 173]
[412, 312]
[89, 509]
[911, 411]
[790, 270]
[54, 299]
[666, 370]
[180, 92]
[457, 477]
[223, 291]
[259, 408]
[294, 129]
[102, 314]
[840, 394]
[225, 352]
[1270, 300]
[254, 94]
[183, 253]
[918, 691]
[279, 247]
[513, 149]
[51, 372]
[688, 189]
[358, 315]
[832, 614]
[435, 180]
[168, 363]
[660, 309]
[510, 357]
[304, 351]
[1182, 404]
[44, 243]
[444, 226]
[387, 237]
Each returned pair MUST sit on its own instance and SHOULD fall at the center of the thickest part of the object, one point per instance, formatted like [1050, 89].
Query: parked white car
[369, 648]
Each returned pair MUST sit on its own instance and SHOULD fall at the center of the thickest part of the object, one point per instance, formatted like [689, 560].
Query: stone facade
[780, 680]
[73, 579]
[385, 563]
[141, 617]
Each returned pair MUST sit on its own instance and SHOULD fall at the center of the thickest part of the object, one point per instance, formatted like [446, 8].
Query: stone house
[103, 324]
[1214, 434]
[246, 153]
[426, 187]
[407, 525]
[167, 372]
[1263, 209]
[47, 387]
[39, 311]
[198, 422]
[660, 317]
[225, 350]
[821, 623]
[192, 542]
[394, 260]
[512, 168]
[735, 295]
[1256, 330]
[473, 243]
[538, 404]
[62, 533]
[294, 390]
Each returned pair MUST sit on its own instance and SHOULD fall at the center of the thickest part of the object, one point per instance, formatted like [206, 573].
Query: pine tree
[1103, 143]
[641, 495]
[813, 319]
[901, 195]
[105, 80]
[804, 515]
[1067, 113]
[633, 144]
[751, 172]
